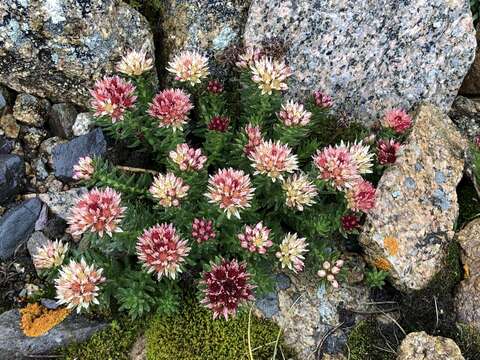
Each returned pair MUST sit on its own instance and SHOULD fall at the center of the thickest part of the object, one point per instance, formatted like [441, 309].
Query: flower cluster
[84, 169]
[202, 230]
[169, 189]
[361, 197]
[77, 285]
[254, 138]
[50, 255]
[397, 120]
[350, 222]
[322, 100]
[387, 151]
[273, 159]
[98, 211]
[135, 63]
[294, 114]
[112, 96]
[256, 238]
[187, 158]
[226, 287]
[299, 191]
[161, 250]
[248, 58]
[291, 253]
[231, 190]
[215, 87]
[329, 272]
[190, 67]
[270, 75]
[219, 123]
[171, 107]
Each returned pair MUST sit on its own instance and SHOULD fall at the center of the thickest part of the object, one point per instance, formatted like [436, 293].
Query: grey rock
[6, 145]
[12, 177]
[370, 55]
[3, 101]
[65, 156]
[32, 137]
[410, 227]
[31, 110]
[36, 240]
[9, 126]
[14, 345]
[16, 226]
[61, 119]
[57, 49]
[40, 170]
[55, 227]
[83, 124]
[465, 113]
[421, 346]
[60, 203]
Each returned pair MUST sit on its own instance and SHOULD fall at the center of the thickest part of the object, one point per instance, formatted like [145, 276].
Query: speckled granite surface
[58, 48]
[416, 207]
[371, 55]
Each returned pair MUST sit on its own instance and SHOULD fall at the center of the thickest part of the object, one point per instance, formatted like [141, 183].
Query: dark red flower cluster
[322, 100]
[350, 222]
[226, 286]
[387, 151]
[202, 230]
[219, 123]
[215, 87]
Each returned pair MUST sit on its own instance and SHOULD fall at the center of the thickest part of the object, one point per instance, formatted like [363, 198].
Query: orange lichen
[37, 319]
[382, 264]
[391, 245]
[466, 271]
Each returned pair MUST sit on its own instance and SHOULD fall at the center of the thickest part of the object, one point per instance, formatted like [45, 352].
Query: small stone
[60, 203]
[62, 118]
[421, 346]
[55, 227]
[65, 156]
[9, 126]
[3, 101]
[418, 224]
[16, 226]
[40, 170]
[32, 137]
[83, 124]
[30, 110]
[12, 177]
[6, 146]
[14, 345]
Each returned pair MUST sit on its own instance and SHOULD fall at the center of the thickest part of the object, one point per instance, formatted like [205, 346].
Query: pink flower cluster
[187, 158]
[169, 189]
[202, 230]
[219, 123]
[398, 120]
[112, 96]
[171, 107]
[361, 197]
[329, 272]
[294, 114]
[84, 169]
[256, 238]
[273, 159]
[322, 100]
[254, 138]
[161, 250]
[97, 211]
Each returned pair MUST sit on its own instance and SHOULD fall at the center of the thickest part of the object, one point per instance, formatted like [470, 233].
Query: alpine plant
[236, 183]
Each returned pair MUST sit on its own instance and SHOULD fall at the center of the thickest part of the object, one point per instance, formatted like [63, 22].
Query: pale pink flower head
[329, 272]
[171, 107]
[225, 287]
[98, 211]
[273, 159]
[112, 96]
[169, 189]
[361, 197]
[162, 251]
[78, 285]
[294, 114]
[249, 57]
[188, 158]
[322, 100]
[50, 255]
[256, 239]
[270, 75]
[134, 63]
[189, 66]
[299, 191]
[202, 230]
[231, 190]
[362, 157]
[254, 139]
[337, 166]
[387, 151]
[398, 120]
[291, 252]
[84, 169]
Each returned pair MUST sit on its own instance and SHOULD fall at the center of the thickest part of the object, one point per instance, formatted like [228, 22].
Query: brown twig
[137, 170]
[330, 332]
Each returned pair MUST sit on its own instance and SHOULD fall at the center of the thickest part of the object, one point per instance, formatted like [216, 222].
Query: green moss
[112, 343]
[468, 339]
[366, 341]
[468, 202]
[194, 335]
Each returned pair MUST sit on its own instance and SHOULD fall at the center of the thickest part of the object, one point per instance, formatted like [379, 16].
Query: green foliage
[468, 340]
[112, 343]
[376, 278]
[475, 6]
[194, 335]
[366, 341]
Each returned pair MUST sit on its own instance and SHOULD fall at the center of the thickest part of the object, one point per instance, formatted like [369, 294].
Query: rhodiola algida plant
[238, 188]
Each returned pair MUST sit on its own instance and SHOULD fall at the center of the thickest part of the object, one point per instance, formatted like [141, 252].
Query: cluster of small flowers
[329, 272]
[84, 169]
[256, 238]
[187, 158]
[50, 255]
[294, 114]
[202, 230]
[292, 251]
[169, 189]
[219, 123]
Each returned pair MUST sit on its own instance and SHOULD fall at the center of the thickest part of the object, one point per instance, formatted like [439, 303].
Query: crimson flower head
[398, 120]
[322, 100]
[219, 123]
[215, 87]
[161, 250]
[226, 287]
[387, 151]
[171, 107]
[350, 222]
[477, 141]
[202, 230]
[112, 96]
[361, 197]
[97, 211]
